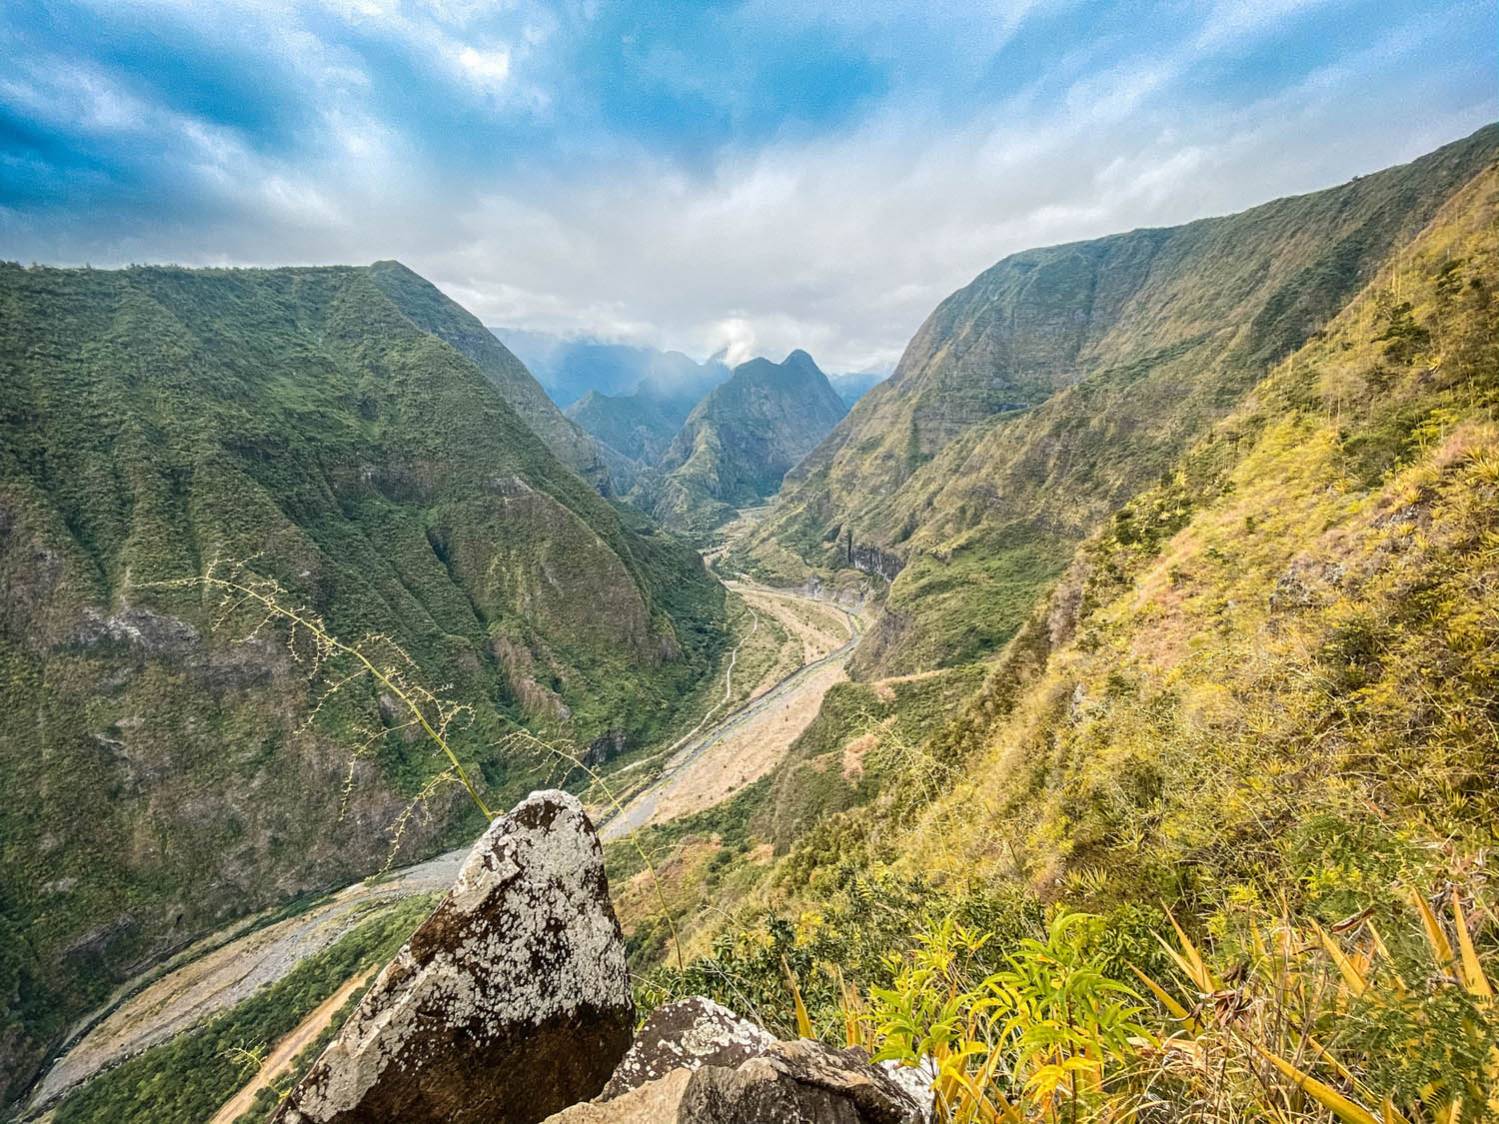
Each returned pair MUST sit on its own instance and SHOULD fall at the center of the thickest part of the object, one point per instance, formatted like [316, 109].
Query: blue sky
[755, 175]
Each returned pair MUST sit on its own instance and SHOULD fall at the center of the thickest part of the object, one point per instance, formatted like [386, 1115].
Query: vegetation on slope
[739, 442]
[1263, 695]
[186, 1079]
[160, 774]
[640, 425]
[1043, 395]
[430, 310]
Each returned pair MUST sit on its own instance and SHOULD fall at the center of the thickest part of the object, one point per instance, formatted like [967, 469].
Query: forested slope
[158, 773]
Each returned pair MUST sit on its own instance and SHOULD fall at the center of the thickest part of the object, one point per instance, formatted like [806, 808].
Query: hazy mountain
[338, 430]
[640, 425]
[738, 443]
[569, 367]
[853, 385]
[1038, 398]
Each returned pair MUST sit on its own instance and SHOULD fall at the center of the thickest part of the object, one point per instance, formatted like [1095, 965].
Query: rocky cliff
[1039, 397]
[512, 1003]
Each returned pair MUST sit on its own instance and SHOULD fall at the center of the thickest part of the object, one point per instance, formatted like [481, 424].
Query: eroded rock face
[789, 1082]
[510, 1002]
[687, 1034]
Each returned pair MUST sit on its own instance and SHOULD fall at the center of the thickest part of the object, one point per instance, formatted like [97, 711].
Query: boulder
[687, 1034]
[511, 1002]
[801, 1082]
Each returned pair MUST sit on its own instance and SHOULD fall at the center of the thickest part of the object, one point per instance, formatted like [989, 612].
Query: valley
[740, 740]
[1095, 720]
[744, 746]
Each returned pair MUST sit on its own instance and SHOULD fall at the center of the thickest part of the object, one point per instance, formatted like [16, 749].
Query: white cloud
[840, 243]
[486, 68]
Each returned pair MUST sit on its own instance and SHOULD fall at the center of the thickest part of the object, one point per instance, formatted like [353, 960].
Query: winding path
[286, 1051]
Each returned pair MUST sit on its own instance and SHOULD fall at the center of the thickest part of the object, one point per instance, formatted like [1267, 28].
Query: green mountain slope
[426, 307]
[1292, 639]
[1261, 697]
[639, 425]
[1037, 399]
[739, 442]
[159, 773]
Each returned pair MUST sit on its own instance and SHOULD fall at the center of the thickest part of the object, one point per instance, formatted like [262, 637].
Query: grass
[1259, 697]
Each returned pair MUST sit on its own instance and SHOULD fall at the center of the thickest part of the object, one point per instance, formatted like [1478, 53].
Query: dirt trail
[279, 1059]
[748, 743]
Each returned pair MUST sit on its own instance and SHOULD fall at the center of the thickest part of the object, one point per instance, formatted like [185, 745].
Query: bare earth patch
[747, 744]
[748, 752]
[188, 996]
[286, 1051]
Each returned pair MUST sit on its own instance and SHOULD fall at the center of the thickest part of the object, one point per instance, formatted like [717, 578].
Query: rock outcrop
[511, 1002]
[694, 1062]
[687, 1034]
[800, 1082]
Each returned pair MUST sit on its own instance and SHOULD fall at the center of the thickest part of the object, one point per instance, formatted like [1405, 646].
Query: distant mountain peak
[741, 440]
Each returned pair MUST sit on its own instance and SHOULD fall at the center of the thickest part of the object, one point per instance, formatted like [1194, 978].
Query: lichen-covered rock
[510, 1002]
[687, 1034]
[790, 1083]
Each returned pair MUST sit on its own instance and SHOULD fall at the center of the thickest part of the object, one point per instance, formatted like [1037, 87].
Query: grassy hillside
[1035, 401]
[160, 772]
[737, 445]
[640, 425]
[426, 307]
[1261, 696]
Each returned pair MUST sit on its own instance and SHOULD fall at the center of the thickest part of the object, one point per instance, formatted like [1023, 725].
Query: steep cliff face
[640, 425]
[159, 772]
[1275, 667]
[1036, 399]
[430, 310]
[739, 442]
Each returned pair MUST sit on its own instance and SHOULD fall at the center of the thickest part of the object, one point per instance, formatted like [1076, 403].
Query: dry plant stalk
[265, 598]
[428, 711]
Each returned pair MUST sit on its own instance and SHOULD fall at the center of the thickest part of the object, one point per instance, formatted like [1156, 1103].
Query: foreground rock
[511, 1002]
[696, 1063]
[686, 1034]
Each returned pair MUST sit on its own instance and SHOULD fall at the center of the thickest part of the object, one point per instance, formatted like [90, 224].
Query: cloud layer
[754, 176]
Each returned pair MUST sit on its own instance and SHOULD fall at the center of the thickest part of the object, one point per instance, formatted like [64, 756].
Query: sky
[742, 177]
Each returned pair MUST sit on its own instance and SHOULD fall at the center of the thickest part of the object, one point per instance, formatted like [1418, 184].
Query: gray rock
[510, 1002]
[687, 1034]
[800, 1082]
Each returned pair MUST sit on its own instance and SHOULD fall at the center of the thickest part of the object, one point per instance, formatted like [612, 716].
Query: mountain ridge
[433, 311]
[1035, 399]
[299, 423]
[739, 442]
